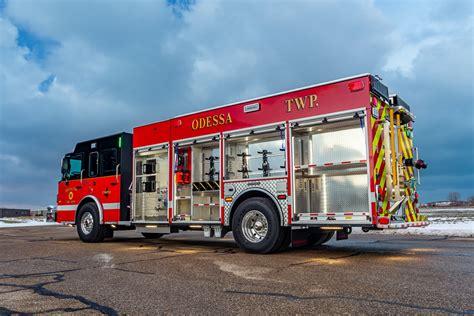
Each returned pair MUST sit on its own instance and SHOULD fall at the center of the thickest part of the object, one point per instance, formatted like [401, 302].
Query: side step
[155, 229]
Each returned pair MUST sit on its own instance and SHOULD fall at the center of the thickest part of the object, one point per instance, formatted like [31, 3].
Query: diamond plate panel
[353, 189]
[268, 185]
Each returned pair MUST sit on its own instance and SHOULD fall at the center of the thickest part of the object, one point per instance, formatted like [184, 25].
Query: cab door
[69, 188]
[106, 184]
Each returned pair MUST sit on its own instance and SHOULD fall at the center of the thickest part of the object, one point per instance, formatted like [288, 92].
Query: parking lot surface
[48, 269]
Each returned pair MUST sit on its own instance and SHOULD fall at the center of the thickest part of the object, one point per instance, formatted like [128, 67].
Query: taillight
[384, 221]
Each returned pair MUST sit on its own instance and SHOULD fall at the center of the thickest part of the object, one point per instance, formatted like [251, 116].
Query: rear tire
[256, 226]
[152, 235]
[88, 226]
[328, 238]
[318, 238]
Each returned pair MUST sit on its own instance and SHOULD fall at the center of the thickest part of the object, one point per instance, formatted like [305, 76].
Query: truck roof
[261, 97]
[116, 135]
[275, 94]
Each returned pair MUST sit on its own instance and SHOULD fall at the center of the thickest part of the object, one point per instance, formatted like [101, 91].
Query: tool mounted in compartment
[244, 169]
[212, 169]
[183, 165]
[265, 164]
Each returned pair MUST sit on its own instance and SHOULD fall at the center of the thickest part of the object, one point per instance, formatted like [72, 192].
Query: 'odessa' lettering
[211, 120]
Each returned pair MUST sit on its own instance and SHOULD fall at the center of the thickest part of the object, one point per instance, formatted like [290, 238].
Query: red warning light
[356, 86]
[384, 221]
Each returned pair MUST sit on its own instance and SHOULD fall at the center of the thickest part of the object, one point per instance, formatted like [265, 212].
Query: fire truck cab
[293, 168]
[94, 189]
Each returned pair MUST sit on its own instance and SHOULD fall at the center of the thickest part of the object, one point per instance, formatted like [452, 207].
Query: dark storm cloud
[124, 64]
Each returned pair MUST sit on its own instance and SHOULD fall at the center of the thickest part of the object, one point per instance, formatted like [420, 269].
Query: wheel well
[83, 202]
[252, 194]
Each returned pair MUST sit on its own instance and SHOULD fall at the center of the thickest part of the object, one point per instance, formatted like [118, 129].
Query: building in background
[13, 212]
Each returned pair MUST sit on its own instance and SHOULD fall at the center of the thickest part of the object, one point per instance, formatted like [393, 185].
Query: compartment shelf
[205, 204]
[332, 164]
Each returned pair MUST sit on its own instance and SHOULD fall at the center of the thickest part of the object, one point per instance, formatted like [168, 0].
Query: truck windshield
[72, 166]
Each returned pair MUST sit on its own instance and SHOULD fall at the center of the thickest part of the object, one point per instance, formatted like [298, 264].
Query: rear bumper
[403, 225]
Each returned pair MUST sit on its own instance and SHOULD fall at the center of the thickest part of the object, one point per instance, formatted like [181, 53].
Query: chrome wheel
[254, 226]
[87, 223]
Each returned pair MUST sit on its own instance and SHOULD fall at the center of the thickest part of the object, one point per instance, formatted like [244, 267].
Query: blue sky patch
[179, 6]
[46, 84]
[39, 48]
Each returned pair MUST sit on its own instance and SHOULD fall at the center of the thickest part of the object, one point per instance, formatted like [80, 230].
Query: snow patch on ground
[451, 229]
[439, 226]
[23, 222]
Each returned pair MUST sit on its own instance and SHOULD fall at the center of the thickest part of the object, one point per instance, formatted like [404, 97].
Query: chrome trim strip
[111, 206]
[71, 207]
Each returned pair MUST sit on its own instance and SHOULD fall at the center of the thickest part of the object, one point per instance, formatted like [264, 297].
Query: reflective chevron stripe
[378, 152]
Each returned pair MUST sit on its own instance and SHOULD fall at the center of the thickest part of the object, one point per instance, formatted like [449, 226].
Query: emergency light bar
[402, 108]
[379, 88]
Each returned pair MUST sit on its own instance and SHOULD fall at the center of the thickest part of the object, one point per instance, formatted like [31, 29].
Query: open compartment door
[331, 175]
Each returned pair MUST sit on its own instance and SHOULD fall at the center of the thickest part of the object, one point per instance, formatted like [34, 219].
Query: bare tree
[470, 200]
[454, 197]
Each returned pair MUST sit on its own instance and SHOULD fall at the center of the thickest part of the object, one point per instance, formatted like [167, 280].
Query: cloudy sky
[74, 70]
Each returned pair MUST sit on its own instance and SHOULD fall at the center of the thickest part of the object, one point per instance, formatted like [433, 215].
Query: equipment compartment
[258, 154]
[151, 185]
[330, 162]
[198, 191]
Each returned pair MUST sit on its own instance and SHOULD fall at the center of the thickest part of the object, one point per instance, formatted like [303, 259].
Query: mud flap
[299, 237]
[342, 234]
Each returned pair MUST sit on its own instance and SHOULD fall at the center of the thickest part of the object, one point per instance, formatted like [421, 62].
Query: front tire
[88, 225]
[256, 226]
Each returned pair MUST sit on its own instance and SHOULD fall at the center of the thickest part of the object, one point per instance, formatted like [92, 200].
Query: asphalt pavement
[49, 270]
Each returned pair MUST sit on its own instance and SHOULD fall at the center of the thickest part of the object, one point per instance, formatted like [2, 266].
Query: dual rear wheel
[256, 228]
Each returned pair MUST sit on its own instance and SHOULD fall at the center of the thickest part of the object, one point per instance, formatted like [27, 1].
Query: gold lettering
[300, 103]
[312, 100]
[229, 119]
[211, 120]
[288, 105]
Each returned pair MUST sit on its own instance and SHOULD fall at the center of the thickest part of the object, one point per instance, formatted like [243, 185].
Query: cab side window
[94, 164]
[108, 161]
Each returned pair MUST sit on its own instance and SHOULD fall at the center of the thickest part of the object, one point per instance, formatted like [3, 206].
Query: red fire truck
[284, 169]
